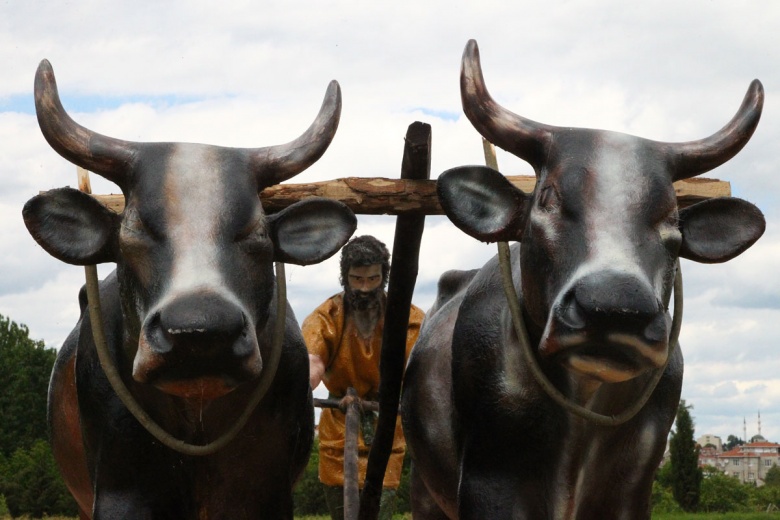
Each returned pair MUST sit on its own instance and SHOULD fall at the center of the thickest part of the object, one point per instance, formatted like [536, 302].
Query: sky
[251, 74]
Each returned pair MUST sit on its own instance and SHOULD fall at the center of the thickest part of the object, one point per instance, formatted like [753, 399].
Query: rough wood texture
[382, 196]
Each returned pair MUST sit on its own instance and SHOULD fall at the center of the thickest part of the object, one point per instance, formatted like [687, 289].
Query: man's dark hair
[361, 251]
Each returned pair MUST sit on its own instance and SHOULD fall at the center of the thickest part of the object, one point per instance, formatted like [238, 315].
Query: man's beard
[361, 301]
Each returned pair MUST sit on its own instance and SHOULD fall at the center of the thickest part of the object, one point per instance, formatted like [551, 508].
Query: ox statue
[599, 241]
[188, 315]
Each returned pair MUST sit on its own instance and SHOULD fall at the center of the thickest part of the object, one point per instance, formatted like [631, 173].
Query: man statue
[344, 338]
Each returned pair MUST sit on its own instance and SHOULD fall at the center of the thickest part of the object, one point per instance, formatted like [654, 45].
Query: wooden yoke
[382, 196]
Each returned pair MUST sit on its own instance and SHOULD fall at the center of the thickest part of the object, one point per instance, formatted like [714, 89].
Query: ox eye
[670, 220]
[255, 229]
[253, 237]
[549, 199]
[133, 226]
[670, 234]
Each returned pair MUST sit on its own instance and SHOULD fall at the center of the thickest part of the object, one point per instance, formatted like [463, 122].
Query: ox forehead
[194, 248]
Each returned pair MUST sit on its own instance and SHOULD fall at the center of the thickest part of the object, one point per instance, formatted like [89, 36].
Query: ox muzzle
[608, 325]
[198, 345]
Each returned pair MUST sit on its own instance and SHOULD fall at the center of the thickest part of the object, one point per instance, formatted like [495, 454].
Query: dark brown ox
[599, 240]
[188, 316]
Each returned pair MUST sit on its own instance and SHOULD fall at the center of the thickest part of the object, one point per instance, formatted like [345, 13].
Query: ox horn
[520, 136]
[103, 155]
[696, 157]
[275, 164]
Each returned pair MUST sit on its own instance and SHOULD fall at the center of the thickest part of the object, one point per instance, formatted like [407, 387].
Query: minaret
[759, 422]
[744, 430]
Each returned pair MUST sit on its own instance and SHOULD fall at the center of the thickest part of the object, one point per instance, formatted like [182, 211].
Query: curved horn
[103, 155]
[696, 157]
[275, 164]
[520, 136]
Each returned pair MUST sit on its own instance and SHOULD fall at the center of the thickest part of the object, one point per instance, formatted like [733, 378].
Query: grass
[327, 517]
[666, 516]
[717, 516]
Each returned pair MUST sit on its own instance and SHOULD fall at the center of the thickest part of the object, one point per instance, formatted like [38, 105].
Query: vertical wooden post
[490, 154]
[83, 176]
[352, 425]
[416, 164]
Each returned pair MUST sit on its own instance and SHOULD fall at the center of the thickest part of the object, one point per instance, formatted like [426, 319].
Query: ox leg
[424, 507]
[136, 480]
[495, 483]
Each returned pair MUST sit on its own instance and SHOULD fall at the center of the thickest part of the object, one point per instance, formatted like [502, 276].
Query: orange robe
[351, 360]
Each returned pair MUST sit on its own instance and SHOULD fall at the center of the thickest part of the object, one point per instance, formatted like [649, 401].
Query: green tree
[403, 498]
[721, 493]
[29, 481]
[732, 441]
[33, 486]
[764, 498]
[772, 478]
[664, 475]
[308, 496]
[684, 459]
[25, 368]
[662, 500]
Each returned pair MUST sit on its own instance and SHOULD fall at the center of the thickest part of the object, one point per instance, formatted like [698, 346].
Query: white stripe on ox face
[621, 188]
[194, 210]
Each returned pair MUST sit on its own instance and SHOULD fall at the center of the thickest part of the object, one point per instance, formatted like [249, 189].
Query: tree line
[29, 481]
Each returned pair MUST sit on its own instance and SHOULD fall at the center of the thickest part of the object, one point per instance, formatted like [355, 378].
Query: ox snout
[199, 345]
[610, 326]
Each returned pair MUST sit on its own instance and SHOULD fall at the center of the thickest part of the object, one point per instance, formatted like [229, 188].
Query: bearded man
[344, 338]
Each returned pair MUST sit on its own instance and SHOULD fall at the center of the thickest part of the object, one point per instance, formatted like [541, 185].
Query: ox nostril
[658, 329]
[571, 315]
[156, 338]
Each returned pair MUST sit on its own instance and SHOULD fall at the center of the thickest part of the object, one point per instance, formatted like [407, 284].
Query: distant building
[710, 440]
[748, 462]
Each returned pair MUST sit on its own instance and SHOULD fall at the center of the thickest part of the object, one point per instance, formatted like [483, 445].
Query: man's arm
[321, 332]
[316, 370]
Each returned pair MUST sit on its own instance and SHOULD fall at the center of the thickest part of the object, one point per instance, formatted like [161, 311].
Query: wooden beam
[382, 196]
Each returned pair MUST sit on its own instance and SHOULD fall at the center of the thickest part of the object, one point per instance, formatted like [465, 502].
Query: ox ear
[717, 230]
[72, 226]
[310, 231]
[483, 203]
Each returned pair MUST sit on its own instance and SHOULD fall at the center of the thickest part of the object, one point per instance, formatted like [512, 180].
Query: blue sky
[25, 104]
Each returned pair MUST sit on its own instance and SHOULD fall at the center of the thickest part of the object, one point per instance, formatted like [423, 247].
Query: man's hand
[316, 370]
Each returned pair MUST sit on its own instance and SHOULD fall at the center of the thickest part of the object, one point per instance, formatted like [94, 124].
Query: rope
[541, 378]
[267, 376]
